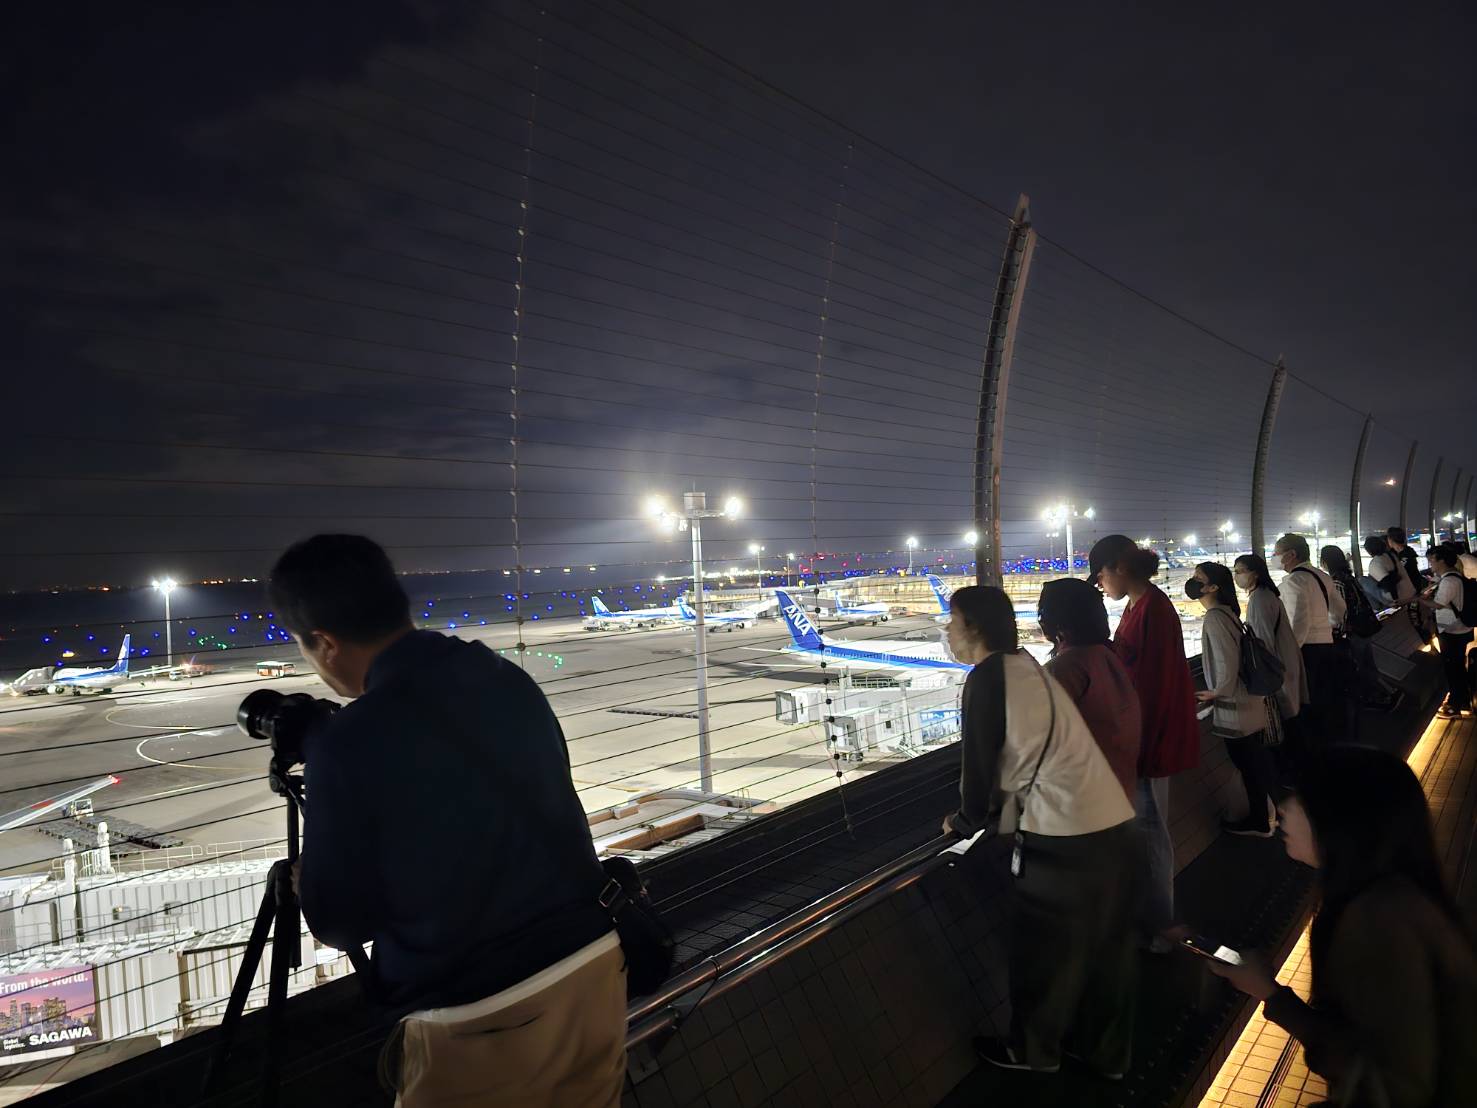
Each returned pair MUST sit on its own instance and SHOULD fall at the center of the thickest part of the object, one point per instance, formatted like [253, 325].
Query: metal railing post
[1263, 448]
[989, 441]
[1466, 514]
[1431, 504]
[1354, 495]
[1405, 484]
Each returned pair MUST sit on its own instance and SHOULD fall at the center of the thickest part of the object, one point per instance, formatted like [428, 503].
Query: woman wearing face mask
[1030, 766]
[1266, 616]
[1151, 645]
[1239, 718]
[1393, 1016]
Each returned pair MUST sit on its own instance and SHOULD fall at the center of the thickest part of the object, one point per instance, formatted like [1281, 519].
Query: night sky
[268, 278]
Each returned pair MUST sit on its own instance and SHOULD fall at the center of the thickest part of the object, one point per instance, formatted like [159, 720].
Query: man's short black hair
[1444, 552]
[1396, 533]
[342, 584]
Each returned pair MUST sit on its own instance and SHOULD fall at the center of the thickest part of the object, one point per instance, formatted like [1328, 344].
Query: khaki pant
[562, 1047]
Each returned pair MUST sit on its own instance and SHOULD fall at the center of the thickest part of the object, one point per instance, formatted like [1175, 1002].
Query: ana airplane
[942, 595]
[77, 680]
[735, 619]
[890, 654]
[862, 613]
[603, 619]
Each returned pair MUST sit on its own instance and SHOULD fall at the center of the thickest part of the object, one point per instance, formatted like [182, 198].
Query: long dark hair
[1258, 566]
[989, 613]
[1370, 822]
[1335, 561]
[1225, 588]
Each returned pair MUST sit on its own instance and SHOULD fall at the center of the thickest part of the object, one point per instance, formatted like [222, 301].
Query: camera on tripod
[285, 721]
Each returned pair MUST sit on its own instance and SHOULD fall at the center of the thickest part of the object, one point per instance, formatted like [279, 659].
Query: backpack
[1361, 618]
[1262, 672]
[1466, 609]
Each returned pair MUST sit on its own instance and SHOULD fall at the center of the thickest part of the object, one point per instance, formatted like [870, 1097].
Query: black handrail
[730, 967]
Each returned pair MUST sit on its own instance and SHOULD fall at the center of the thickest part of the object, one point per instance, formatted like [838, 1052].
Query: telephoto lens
[284, 721]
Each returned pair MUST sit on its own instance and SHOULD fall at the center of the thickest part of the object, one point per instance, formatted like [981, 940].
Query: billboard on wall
[52, 1011]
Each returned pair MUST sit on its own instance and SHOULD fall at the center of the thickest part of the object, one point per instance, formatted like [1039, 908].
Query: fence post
[989, 438]
[1431, 505]
[1405, 484]
[1263, 448]
[1354, 495]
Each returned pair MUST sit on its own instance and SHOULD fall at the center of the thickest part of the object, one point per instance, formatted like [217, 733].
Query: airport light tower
[167, 586]
[912, 543]
[758, 551]
[1060, 516]
[690, 518]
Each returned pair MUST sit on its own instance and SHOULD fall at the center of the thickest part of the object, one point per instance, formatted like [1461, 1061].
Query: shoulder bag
[646, 939]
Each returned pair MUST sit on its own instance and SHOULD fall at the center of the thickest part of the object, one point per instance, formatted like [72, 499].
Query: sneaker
[1249, 828]
[1000, 1053]
[1085, 1064]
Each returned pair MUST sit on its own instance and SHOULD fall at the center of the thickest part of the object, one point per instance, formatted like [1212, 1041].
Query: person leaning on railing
[1392, 1021]
[1030, 766]
[443, 827]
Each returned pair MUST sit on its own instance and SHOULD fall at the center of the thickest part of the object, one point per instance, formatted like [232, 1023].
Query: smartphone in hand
[1209, 948]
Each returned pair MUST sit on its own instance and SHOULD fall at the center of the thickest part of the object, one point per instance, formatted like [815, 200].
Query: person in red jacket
[1150, 644]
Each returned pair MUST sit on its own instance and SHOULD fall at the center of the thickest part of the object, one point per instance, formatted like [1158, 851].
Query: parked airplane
[77, 680]
[31, 682]
[862, 613]
[735, 619]
[942, 595]
[889, 654]
[603, 619]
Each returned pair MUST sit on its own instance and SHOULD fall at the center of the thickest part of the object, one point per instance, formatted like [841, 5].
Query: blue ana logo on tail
[599, 606]
[122, 664]
[802, 630]
[938, 591]
[684, 609]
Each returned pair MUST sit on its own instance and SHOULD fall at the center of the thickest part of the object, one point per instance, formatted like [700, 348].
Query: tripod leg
[286, 941]
[250, 961]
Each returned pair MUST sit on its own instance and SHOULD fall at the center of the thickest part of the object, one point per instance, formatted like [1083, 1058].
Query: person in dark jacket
[1151, 646]
[1392, 1020]
[443, 826]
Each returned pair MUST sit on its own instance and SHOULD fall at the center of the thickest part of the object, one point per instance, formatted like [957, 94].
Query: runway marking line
[139, 750]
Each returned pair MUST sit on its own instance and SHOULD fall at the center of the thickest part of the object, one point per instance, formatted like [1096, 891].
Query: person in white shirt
[1029, 765]
[1314, 608]
[1469, 564]
[1454, 636]
[1386, 570]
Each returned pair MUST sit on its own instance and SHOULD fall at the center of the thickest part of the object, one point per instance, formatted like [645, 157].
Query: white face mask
[944, 642]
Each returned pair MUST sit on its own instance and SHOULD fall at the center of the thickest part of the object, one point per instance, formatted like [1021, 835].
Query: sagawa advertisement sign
[53, 1010]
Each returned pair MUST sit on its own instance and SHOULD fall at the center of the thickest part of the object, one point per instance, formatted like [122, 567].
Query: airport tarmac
[626, 701]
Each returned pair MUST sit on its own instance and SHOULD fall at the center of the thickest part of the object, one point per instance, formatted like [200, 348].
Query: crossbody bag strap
[1045, 746]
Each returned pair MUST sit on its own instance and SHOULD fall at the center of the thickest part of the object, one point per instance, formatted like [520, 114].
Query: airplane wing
[22, 816]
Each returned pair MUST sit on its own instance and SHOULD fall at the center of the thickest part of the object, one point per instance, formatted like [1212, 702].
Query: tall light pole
[758, 552]
[912, 543]
[789, 557]
[1060, 516]
[1312, 519]
[1223, 532]
[167, 586]
[690, 518]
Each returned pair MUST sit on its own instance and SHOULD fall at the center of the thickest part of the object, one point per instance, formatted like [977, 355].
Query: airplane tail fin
[684, 608]
[599, 606]
[802, 630]
[122, 664]
[938, 591]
